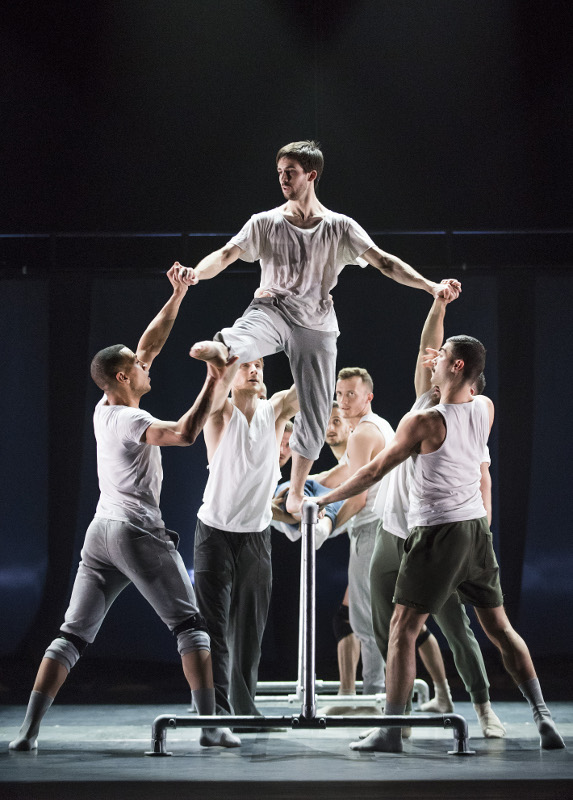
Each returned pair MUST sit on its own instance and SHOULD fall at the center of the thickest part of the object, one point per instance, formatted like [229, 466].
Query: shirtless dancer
[449, 547]
[302, 247]
[127, 540]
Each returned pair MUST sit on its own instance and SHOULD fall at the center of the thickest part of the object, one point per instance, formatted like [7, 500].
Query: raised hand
[182, 276]
[429, 358]
[448, 290]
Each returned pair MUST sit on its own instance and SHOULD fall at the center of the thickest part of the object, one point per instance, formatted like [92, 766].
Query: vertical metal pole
[309, 520]
[301, 624]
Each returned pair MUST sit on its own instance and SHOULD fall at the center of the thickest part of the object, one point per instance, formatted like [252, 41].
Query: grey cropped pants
[263, 330]
[116, 554]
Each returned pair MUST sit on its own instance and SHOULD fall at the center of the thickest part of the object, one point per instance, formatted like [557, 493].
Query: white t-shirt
[243, 474]
[300, 267]
[129, 471]
[445, 485]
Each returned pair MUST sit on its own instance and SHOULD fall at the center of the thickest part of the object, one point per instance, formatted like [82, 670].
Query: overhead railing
[127, 252]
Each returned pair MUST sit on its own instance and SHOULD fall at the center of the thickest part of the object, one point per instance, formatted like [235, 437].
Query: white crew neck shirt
[301, 266]
[129, 470]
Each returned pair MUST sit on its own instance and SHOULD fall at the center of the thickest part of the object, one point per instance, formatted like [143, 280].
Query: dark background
[134, 134]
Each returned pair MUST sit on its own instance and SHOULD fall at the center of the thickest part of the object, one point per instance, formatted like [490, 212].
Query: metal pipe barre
[307, 719]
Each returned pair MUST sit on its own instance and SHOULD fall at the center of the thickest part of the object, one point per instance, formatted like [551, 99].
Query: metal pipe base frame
[308, 719]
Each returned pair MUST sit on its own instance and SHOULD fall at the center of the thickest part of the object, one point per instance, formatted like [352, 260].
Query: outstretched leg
[199, 673]
[49, 680]
[517, 661]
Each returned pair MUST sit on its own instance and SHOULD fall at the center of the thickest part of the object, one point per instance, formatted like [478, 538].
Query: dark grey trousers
[233, 580]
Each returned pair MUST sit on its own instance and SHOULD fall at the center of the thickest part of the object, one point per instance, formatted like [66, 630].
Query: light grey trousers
[263, 330]
[116, 554]
[362, 542]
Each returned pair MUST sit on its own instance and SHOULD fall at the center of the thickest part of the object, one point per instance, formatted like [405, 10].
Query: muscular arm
[412, 430]
[432, 336]
[215, 263]
[334, 476]
[399, 271]
[285, 404]
[184, 432]
[365, 441]
[156, 333]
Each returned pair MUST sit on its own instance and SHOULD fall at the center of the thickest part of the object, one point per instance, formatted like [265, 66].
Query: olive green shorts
[440, 559]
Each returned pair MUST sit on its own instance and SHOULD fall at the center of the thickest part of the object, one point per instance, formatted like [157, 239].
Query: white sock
[490, 723]
[550, 738]
[204, 702]
[38, 704]
[442, 702]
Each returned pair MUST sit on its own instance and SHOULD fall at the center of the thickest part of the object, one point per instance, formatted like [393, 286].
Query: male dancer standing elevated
[302, 247]
[127, 540]
[449, 547]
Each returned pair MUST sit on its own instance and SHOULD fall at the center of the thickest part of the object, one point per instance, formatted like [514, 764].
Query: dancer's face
[293, 179]
[137, 373]
[250, 377]
[338, 429]
[353, 397]
[284, 450]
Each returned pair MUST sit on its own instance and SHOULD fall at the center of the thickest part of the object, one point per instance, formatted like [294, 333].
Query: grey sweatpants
[116, 554]
[362, 542]
[452, 618]
[264, 329]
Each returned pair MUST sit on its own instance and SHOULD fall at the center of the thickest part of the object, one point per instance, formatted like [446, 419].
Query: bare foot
[215, 352]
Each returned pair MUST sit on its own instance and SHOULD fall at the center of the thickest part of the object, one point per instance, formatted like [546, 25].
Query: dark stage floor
[97, 751]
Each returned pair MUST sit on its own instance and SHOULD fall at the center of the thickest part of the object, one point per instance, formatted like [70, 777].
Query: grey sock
[550, 737]
[204, 701]
[38, 704]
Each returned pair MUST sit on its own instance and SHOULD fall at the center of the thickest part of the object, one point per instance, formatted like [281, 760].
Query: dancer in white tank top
[232, 539]
[447, 555]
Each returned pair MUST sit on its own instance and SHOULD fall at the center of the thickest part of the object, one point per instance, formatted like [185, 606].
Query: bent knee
[192, 635]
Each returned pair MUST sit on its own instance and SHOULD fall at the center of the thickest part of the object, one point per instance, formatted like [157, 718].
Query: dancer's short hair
[356, 372]
[107, 363]
[472, 352]
[289, 426]
[307, 153]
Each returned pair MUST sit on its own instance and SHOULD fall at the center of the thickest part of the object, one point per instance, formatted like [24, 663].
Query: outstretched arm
[409, 433]
[214, 263]
[156, 333]
[393, 267]
[184, 432]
